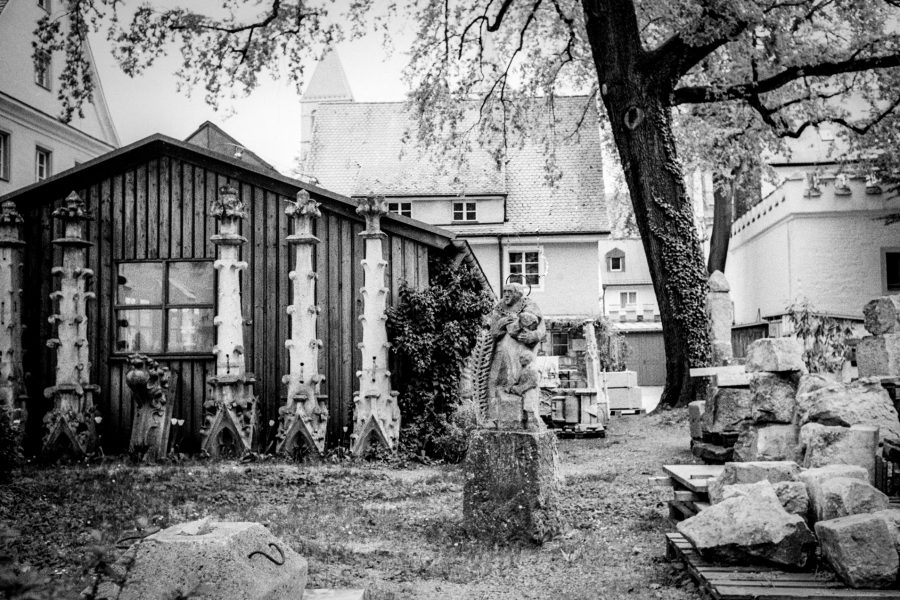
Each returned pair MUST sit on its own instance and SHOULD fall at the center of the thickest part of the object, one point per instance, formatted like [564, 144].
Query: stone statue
[517, 326]
[149, 384]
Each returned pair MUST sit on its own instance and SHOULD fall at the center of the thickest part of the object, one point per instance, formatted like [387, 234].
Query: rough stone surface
[767, 442]
[814, 478]
[882, 315]
[751, 472]
[860, 549]
[843, 496]
[793, 497]
[879, 355]
[225, 557]
[727, 410]
[822, 445]
[775, 355]
[711, 454]
[811, 382]
[718, 282]
[512, 488]
[862, 402]
[695, 412]
[750, 526]
[773, 397]
[892, 516]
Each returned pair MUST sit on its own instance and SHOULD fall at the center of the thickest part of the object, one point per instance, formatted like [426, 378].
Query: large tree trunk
[636, 100]
[723, 217]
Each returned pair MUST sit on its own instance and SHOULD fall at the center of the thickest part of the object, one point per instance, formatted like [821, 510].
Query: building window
[165, 307]
[4, 156]
[891, 261]
[615, 260]
[404, 209]
[43, 164]
[627, 299]
[559, 344]
[524, 267]
[45, 4]
[42, 69]
[464, 211]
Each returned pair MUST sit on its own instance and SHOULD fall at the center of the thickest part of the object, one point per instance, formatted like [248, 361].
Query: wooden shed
[155, 284]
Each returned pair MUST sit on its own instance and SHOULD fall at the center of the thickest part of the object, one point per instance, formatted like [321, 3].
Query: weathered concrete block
[775, 355]
[727, 410]
[751, 472]
[240, 561]
[793, 497]
[815, 477]
[879, 355]
[882, 315]
[845, 404]
[711, 454]
[767, 443]
[842, 496]
[822, 445]
[695, 412]
[512, 488]
[750, 526]
[620, 379]
[860, 549]
[625, 398]
[772, 397]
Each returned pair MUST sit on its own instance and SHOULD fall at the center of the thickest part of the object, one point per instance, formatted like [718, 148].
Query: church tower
[328, 84]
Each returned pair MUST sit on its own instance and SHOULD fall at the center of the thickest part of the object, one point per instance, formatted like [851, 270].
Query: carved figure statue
[149, 384]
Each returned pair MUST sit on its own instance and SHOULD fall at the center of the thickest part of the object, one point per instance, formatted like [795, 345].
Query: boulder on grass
[751, 472]
[773, 397]
[862, 402]
[793, 497]
[750, 526]
[879, 355]
[860, 549]
[882, 315]
[844, 496]
[775, 355]
[821, 445]
[772, 442]
[727, 410]
[814, 478]
[711, 454]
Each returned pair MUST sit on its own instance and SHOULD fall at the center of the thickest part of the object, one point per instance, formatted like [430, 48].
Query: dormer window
[464, 211]
[615, 261]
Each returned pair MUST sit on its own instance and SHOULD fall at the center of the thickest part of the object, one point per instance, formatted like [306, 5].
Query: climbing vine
[823, 338]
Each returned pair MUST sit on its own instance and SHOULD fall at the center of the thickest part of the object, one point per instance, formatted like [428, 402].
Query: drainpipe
[500, 264]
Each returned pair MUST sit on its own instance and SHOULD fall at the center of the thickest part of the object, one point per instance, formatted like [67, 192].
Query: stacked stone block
[878, 355]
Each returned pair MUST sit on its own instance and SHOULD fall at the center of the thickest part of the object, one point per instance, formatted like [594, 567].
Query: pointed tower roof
[328, 83]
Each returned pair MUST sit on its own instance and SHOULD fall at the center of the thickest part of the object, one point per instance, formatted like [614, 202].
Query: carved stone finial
[73, 209]
[227, 204]
[372, 208]
[9, 214]
[304, 205]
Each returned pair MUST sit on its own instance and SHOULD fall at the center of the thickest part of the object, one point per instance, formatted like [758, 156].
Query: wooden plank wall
[159, 210]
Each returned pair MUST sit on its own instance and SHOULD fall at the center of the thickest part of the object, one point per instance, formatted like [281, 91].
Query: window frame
[38, 152]
[404, 209]
[553, 343]
[163, 308]
[467, 209]
[5, 155]
[523, 250]
[884, 273]
[45, 60]
[44, 4]
[611, 268]
[627, 294]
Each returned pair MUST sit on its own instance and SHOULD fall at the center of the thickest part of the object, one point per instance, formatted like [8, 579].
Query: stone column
[721, 318]
[596, 382]
[304, 419]
[231, 421]
[376, 412]
[13, 395]
[69, 427]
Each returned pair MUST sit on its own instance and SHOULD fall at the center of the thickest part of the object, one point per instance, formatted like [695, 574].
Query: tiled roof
[328, 81]
[360, 148]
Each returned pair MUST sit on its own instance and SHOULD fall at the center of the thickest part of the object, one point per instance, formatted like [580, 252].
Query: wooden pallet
[568, 432]
[616, 412]
[721, 582]
[689, 484]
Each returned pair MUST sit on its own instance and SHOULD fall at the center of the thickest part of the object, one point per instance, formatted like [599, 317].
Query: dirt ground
[396, 531]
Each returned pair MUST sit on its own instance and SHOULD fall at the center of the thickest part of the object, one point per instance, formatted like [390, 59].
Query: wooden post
[304, 418]
[13, 395]
[231, 421]
[376, 412]
[70, 426]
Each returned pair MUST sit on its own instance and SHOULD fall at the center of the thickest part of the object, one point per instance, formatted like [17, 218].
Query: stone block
[727, 410]
[620, 379]
[862, 402]
[239, 561]
[775, 355]
[860, 549]
[625, 398]
[695, 412]
[751, 472]
[892, 516]
[843, 496]
[773, 397]
[822, 445]
[711, 454]
[512, 487]
[815, 477]
[718, 282]
[793, 497]
[879, 355]
[767, 443]
[811, 382]
[882, 315]
[750, 526]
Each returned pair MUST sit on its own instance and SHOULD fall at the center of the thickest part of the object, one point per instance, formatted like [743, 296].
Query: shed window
[892, 271]
[165, 307]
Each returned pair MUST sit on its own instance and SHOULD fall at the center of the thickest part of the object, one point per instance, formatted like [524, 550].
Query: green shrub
[432, 332]
[823, 338]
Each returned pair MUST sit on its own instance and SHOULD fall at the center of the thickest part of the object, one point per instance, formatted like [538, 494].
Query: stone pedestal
[231, 419]
[70, 426]
[150, 389]
[596, 382]
[512, 489]
[13, 394]
[304, 418]
[720, 311]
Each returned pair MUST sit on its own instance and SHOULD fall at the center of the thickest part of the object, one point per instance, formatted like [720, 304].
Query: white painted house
[34, 142]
